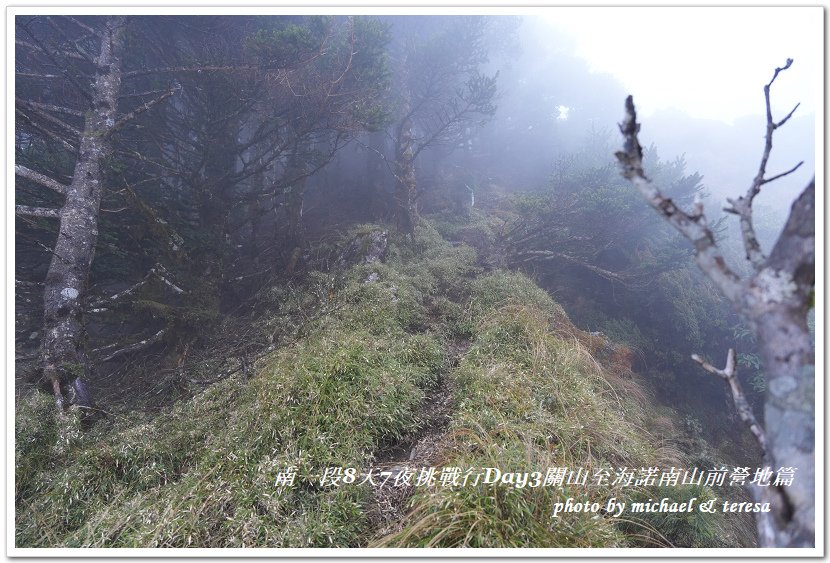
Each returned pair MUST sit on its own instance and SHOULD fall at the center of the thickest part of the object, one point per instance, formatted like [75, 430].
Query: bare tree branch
[621, 277]
[50, 107]
[37, 211]
[132, 347]
[198, 69]
[158, 271]
[60, 65]
[743, 205]
[37, 75]
[83, 26]
[38, 48]
[48, 118]
[790, 171]
[39, 178]
[124, 293]
[141, 109]
[693, 227]
[730, 374]
[79, 53]
[161, 273]
[789, 115]
[775, 299]
[49, 133]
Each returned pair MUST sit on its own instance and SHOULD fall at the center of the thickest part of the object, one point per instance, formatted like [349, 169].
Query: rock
[366, 248]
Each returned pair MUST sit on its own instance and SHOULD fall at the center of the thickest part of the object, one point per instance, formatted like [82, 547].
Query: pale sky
[708, 62]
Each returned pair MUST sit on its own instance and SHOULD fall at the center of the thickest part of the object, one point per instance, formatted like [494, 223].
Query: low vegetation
[527, 391]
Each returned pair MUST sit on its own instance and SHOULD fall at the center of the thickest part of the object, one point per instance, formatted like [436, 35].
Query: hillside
[407, 280]
[421, 359]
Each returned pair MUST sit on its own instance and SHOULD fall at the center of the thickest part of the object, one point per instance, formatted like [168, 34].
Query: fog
[256, 244]
[588, 60]
[556, 125]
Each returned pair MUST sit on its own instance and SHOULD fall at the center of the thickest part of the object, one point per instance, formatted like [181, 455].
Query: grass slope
[529, 395]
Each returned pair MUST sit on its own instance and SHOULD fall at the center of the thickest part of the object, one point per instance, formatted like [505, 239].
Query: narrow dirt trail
[388, 506]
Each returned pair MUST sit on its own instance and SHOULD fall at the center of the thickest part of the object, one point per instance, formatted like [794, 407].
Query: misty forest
[399, 281]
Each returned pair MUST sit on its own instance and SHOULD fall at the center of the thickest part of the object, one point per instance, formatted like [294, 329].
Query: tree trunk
[779, 309]
[375, 174]
[776, 298]
[296, 174]
[789, 419]
[255, 213]
[66, 280]
[405, 183]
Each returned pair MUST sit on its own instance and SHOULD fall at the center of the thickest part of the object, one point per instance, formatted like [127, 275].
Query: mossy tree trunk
[406, 211]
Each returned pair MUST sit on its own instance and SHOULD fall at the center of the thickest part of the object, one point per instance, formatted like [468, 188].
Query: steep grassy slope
[527, 392]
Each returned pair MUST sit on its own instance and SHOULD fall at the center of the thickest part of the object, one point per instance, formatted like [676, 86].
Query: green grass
[202, 473]
[528, 400]
[354, 361]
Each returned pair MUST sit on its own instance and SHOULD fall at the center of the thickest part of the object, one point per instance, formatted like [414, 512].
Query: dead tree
[775, 298]
[86, 135]
[66, 280]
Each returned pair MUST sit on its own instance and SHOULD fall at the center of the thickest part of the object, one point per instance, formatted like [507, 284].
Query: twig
[160, 272]
[743, 205]
[132, 347]
[39, 178]
[730, 374]
[48, 118]
[51, 134]
[141, 109]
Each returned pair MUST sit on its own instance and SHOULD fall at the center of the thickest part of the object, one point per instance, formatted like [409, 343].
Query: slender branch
[39, 178]
[40, 244]
[530, 255]
[83, 26]
[37, 211]
[50, 107]
[62, 65]
[124, 293]
[790, 171]
[789, 115]
[693, 227]
[158, 271]
[79, 52]
[48, 118]
[178, 69]
[730, 374]
[743, 205]
[132, 347]
[51, 134]
[140, 94]
[382, 157]
[38, 48]
[161, 273]
[37, 75]
[141, 109]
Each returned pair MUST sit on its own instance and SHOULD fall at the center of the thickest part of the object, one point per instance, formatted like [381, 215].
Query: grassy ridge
[529, 395]
[529, 399]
